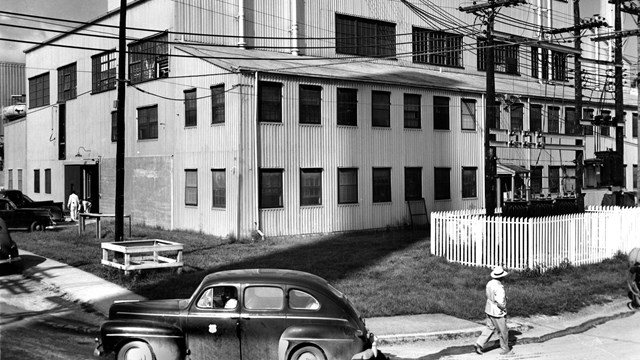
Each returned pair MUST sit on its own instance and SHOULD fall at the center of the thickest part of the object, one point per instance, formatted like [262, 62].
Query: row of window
[272, 186]
[36, 180]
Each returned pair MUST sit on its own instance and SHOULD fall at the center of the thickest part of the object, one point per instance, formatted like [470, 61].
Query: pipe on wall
[241, 30]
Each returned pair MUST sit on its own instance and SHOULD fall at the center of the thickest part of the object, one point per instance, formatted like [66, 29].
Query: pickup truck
[23, 201]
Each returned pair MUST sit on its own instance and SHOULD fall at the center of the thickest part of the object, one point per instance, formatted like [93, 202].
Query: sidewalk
[99, 294]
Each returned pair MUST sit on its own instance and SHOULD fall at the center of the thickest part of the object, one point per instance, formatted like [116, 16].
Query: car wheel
[308, 353]
[36, 226]
[135, 350]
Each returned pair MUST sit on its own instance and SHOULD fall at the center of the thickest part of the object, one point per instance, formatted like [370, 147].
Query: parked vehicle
[9, 255]
[242, 314]
[32, 219]
[23, 201]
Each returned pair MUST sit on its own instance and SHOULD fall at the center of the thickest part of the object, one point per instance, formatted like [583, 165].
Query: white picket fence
[471, 238]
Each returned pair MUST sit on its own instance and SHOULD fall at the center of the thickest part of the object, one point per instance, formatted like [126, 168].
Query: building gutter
[256, 143]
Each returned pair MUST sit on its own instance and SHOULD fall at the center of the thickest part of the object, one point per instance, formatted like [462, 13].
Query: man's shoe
[477, 349]
[506, 352]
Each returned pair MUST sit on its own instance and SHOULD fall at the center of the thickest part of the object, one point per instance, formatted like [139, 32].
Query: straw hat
[498, 272]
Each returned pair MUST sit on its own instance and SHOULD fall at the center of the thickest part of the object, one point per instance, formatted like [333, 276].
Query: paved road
[37, 322]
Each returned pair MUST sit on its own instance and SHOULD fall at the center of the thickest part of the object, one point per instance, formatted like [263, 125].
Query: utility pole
[578, 96]
[489, 11]
[122, 63]
[619, 123]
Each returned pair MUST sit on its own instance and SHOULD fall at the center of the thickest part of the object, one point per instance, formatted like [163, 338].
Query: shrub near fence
[471, 238]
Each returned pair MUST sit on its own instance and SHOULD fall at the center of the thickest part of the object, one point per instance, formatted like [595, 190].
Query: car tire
[308, 353]
[36, 226]
[135, 350]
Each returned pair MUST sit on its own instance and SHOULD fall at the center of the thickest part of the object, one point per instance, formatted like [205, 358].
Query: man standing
[72, 204]
[496, 310]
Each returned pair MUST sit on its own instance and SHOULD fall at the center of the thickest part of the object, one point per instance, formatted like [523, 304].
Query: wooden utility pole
[619, 123]
[122, 64]
[577, 67]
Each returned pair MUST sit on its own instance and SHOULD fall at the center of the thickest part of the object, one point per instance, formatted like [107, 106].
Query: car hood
[146, 309]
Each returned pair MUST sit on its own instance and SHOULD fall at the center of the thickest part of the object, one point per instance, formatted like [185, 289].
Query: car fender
[337, 342]
[167, 341]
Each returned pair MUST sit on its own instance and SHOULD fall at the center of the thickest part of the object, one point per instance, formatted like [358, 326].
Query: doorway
[84, 180]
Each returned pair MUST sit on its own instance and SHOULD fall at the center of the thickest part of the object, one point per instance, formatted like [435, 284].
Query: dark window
[635, 176]
[20, 179]
[271, 188]
[604, 130]
[553, 120]
[536, 179]
[10, 178]
[497, 110]
[310, 187]
[442, 183]
[559, 68]
[190, 108]
[440, 113]
[412, 183]
[39, 91]
[505, 57]
[191, 187]
[103, 71]
[114, 126]
[412, 111]
[348, 186]
[217, 104]
[634, 125]
[67, 82]
[148, 122]
[148, 59]
[219, 188]
[381, 108]
[571, 125]
[347, 105]
[587, 114]
[535, 118]
[358, 36]
[437, 48]
[469, 182]
[47, 181]
[517, 115]
[310, 101]
[270, 101]
[554, 179]
[300, 300]
[468, 114]
[36, 180]
[381, 185]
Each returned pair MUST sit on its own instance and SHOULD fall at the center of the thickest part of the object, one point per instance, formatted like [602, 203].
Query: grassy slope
[384, 273]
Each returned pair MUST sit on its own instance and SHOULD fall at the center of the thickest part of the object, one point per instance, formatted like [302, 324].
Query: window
[412, 111]
[604, 130]
[47, 181]
[190, 108]
[263, 298]
[381, 185]
[536, 179]
[348, 186]
[270, 101]
[442, 182]
[217, 104]
[271, 188]
[539, 63]
[300, 300]
[218, 297]
[535, 118]
[569, 179]
[36, 180]
[103, 71]
[635, 176]
[412, 183]
[634, 125]
[20, 179]
[149, 59]
[554, 179]
[67, 82]
[10, 178]
[571, 125]
[39, 91]
[497, 111]
[505, 57]
[310, 187]
[381, 108]
[148, 122]
[587, 114]
[553, 120]
[440, 113]
[437, 48]
[219, 188]
[347, 105]
[310, 109]
[469, 187]
[191, 187]
[358, 36]
[114, 126]
[468, 114]
[559, 66]
[517, 115]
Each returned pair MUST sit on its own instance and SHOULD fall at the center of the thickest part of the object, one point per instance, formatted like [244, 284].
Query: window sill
[311, 124]
[221, 123]
[320, 206]
[382, 203]
[349, 205]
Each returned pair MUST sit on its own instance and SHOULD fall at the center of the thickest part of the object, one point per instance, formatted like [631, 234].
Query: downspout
[242, 41]
[238, 164]
[294, 27]
[172, 197]
[540, 37]
[256, 143]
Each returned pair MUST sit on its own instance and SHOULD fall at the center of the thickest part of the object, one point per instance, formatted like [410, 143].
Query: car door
[262, 321]
[7, 213]
[212, 324]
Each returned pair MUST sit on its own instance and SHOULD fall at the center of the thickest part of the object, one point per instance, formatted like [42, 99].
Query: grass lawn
[384, 273]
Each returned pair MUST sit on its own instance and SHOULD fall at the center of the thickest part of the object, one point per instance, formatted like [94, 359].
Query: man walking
[496, 310]
[72, 204]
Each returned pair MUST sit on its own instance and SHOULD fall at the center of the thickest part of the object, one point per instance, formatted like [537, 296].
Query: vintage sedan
[9, 255]
[242, 314]
[31, 219]
[23, 201]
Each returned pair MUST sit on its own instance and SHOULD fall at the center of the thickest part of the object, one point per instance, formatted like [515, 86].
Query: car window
[301, 300]
[263, 298]
[218, 297]
[4, 205]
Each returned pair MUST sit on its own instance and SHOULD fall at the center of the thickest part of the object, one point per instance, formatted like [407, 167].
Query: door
[212, 324]
[262, 322]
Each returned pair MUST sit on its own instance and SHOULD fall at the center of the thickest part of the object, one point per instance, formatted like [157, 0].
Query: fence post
[432, 231]
[530, 239]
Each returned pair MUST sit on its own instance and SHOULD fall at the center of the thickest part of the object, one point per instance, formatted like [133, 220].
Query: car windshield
[26, 198]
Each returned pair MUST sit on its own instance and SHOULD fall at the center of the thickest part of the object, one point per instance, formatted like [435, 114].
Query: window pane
[440, 113]
[554, 179]
[347, 186]
[149, 59]
[442, 183]
[191, 187]
[571, 123]
[517, 114]
[536, 179]
[468, 114]
[36, 181]
[554, 119]
[310, 186]
[381, 185]
[412, 113]
[469, 187]
[47, 181]
[300, 300]
[437, 48]
[270, 102]
[190, 108]
[310, 109]
[535, 118]
[148, 123]
[412, 183]
[347, 105]
[219, 188]
[380, 108]
[39, 91]
[217, 104]
[67, 80]
[263, 298]
[358, 36]
[270, 189]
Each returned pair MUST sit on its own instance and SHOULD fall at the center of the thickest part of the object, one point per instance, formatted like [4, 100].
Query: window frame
[47, 181]
[67, 82]
[470, 116]
[347, 106]
[150, 124]
[310, 104]
[553, 181]
[148, 58]
[435, 47]
[36, 181]
[440, 192]
[538, 120]
[381, 186]
[278, 189]
[506, 57]
[440, 113]
[516, 122]
[191, 187]
[39, 90]
[190, 107]
[218, 193]
[412, 111]
[103, 71]
[352, 36]
[553, 121]
[412, 183]
[270, 105]
[380, 108]
[348, 197]
[218, 104]
[469, 183]
[310, 174]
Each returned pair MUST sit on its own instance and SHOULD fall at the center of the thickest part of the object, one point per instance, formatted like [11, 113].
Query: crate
[142, 254]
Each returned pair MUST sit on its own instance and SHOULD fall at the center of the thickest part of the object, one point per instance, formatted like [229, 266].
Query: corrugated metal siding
[12, 82]
[207, 17]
